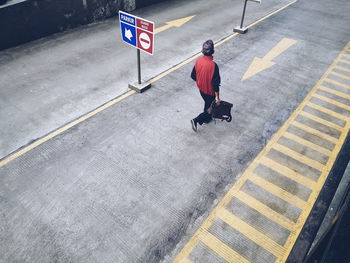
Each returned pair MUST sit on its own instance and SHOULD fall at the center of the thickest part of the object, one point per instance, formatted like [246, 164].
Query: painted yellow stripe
[287, 172]
[346, 55]
[256, 236]
[321, 121]
[340, 75]
[335, 92]
[185, 260]
[221, 249]
[277, 191]
[337, 83]
[331, 101]
[327, 111]
[307, 143]
[342, 68]
[344, 61]
[315, 132]
[299, 157]
[63, 129]
[265, 210]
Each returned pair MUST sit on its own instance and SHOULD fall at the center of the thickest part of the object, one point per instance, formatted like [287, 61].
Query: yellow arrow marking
[260, 64]
[173, 23]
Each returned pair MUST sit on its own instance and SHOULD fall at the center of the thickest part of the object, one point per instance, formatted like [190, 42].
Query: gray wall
[33, 19]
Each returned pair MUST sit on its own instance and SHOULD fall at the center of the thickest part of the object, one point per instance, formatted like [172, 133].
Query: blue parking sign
[128, 33]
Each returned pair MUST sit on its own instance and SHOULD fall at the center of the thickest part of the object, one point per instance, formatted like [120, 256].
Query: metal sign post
[138, 33]
[241, 29]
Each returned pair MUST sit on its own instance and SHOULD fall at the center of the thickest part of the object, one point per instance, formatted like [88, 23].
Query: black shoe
[194, 125]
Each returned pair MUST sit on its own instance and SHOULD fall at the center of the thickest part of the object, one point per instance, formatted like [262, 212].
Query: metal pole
[139, 65]
[245, 5]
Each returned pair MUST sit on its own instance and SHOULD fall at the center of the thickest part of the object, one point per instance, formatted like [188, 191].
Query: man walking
[206, 74]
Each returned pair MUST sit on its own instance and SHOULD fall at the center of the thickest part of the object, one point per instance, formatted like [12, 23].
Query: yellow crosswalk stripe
[221, 248]
[340, 75]
[321, 121]
[335, 92]
[342, 68]
[277, 191]
[344, 61]
[299, 157]
[256, 236]
[327, 111]
[314, 132]
[337, 83]
[186, 260]
[265, 210]
[307, 143]
[332, 101]
[287, 172]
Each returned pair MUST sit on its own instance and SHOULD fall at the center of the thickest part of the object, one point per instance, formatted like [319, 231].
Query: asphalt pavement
[133, 182]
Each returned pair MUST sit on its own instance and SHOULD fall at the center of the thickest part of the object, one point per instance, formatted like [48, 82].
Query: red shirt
[205, 68]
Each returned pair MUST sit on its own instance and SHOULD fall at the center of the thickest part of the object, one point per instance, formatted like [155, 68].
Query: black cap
[208, 48]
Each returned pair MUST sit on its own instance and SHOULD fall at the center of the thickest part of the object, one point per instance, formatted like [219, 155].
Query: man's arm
[193, 74]
[216, 83]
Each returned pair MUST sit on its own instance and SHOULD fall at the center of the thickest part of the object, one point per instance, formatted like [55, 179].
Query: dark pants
[205, 117]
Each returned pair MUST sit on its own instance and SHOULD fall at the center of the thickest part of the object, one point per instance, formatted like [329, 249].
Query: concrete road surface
[133, 182]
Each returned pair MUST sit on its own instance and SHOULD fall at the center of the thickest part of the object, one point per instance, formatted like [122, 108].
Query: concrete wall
[32, 19]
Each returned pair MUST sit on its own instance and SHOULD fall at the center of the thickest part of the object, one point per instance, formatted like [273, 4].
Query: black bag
[221, 111]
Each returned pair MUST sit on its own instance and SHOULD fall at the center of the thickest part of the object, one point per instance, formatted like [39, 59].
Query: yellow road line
[221, 249]
[332, 101]
[315, 132]
[256, 236]
[344, 61]
[287, 172]
[340, 75]
[277, 191]
[265, 210]
[307, 143]
[321, 121]
[337, 83]
[342, 68]
[346, 55]
[44, 139]
[327, 111]
[299, 157]
[335, 92]
[185, 260]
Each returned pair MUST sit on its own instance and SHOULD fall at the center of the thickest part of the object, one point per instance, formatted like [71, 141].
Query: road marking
[315, 132]
[340, 75]
[337, 83]
[321, 121]
[344, 61]
[250, 232]
[251, 175]
[173, 23]
[260, 64]
[221, 249]
[335, 92]
[331, 101]
[277, 191]
[287, 172]
[185, 260]
[336, 115]
[342, 68]
[265, 210]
